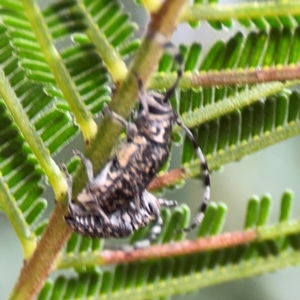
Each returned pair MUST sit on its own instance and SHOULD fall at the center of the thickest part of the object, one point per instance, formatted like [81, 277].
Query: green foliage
[245, 131]
[264, 16]
[174, 275]
[91, 40]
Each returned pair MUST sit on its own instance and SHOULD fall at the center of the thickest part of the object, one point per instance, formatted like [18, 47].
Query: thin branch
[198, 12]
[216, 160]
[227, 78]
[244, 11]
[37, 268]
[167, 179]
[108, 257]
[222, 241]
[145, 61]
[231, 104]
[56, 234]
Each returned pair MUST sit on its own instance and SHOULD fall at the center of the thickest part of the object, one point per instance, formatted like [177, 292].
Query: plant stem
[158, 251]
[215, 161]
[57, 233]
[231, 104]
[144, 63]
[227, 78]
[36, 270]
[243, 11]
[222, 241]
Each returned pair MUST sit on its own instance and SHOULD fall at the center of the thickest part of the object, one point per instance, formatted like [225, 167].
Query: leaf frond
[126, 95]
[106, 26]
[34, 21]
[228, 120]
[231, 59]
[255, 127]
[237, 134]
[273, 247]
[20, 169]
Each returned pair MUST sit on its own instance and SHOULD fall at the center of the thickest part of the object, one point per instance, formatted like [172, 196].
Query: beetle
[121, 223]
[120, 187]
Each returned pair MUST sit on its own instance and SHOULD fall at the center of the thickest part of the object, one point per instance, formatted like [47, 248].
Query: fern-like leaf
[263, 15]
[273, 249]
[51, 79]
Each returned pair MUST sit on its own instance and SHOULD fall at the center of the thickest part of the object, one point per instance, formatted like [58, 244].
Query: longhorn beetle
[119, 188]
[121, 223]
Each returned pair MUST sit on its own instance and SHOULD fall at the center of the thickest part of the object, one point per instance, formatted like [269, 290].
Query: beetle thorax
[156, 123]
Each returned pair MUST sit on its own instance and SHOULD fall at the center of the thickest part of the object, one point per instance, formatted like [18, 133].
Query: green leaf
[263, 15]
[176, 275]
[86, 39]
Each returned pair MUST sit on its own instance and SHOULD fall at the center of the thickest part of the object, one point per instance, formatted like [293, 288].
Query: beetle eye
[158, 99]
[114, 165]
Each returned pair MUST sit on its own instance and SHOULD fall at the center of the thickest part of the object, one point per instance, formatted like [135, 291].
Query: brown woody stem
[36, 269]
[227, 78]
